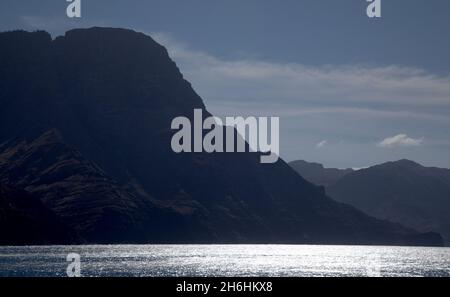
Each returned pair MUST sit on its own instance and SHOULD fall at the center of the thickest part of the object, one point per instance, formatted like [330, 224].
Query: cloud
[353, 102]
[359, 168]
[321, 144]
[384, 89]
[400, 140]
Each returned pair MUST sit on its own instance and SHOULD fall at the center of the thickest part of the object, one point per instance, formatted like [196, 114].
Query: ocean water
[227, 260]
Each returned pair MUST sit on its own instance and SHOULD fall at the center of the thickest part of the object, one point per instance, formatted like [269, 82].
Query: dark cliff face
[403, 192]
[111, 94]
[24, 220]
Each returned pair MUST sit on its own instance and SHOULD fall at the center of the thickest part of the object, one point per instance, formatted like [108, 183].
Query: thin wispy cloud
[321, 144]
[400, 140]
[259, 82]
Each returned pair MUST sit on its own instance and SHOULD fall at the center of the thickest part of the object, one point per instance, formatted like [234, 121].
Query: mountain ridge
[111, 95]
[317, 174]
[401, 191]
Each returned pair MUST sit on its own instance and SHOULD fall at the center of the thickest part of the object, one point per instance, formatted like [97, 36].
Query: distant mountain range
[403, 191]
[85, 132]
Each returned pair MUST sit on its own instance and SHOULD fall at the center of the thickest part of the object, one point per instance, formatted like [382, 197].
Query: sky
[350, 91]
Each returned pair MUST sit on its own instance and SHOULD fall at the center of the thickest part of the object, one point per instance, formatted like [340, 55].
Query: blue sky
[350, 91]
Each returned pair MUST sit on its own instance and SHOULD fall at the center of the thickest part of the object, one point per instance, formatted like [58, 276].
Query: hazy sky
[350, 91]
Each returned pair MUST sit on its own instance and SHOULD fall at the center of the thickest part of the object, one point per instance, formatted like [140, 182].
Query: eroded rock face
[111, 95]
[81, 194]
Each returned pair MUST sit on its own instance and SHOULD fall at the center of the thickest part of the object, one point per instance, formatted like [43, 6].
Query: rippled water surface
[227, 260]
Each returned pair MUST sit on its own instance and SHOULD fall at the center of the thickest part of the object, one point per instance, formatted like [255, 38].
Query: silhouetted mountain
[403, 192]
[317, 174]
[111, 174]
[23, 219]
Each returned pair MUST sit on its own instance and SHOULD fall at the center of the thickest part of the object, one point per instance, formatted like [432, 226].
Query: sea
[225, 260]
